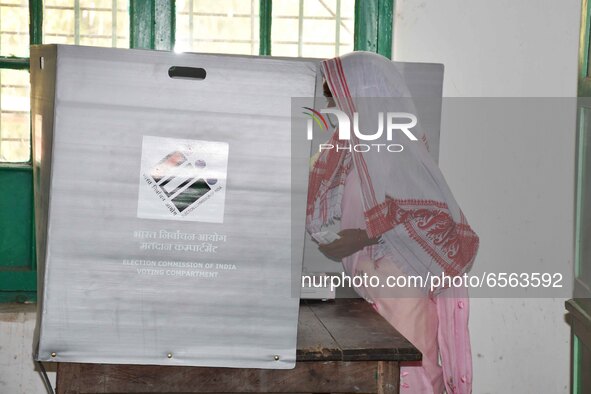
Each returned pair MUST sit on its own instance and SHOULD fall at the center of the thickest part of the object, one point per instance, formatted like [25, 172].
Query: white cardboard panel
[164, 207]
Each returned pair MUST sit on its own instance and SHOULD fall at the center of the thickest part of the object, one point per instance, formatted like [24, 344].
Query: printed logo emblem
[182, 179]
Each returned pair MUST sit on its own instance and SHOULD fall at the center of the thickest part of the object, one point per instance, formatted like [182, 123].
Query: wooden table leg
[388, 377]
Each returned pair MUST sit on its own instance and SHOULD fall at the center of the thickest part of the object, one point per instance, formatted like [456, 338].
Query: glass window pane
[102, 23]
[318, 50]
[14, 28]
[15, 144]
[217, 26]
[312, 28]
[58, 25]
[286, 50]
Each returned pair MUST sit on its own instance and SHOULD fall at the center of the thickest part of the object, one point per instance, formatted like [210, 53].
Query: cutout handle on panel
[195, 73]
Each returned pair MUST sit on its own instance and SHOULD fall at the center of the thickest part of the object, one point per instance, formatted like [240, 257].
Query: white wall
[507, 48]
[17, 369]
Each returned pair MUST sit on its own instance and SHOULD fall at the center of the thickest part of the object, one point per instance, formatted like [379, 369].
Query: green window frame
[18, 271]
[152, 26]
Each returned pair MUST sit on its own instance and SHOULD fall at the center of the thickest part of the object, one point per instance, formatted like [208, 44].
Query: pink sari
[437, 326]
[403, 199]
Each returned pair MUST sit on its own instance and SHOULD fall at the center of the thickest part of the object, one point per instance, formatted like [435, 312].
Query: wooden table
[343, 346]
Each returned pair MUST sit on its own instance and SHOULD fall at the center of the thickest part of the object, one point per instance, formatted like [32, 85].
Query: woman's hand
[352, 240]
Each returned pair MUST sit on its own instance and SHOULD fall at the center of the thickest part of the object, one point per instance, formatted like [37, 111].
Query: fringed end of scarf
[325, 210]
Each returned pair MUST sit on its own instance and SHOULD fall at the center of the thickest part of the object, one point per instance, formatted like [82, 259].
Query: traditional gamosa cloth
[403, 199]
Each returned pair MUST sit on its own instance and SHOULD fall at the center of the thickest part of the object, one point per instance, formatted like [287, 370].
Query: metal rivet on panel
[169, 355]
[53, 354]
[276, 358]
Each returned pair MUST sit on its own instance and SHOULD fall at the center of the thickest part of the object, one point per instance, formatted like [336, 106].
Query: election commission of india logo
[179, 180]
[182, 179]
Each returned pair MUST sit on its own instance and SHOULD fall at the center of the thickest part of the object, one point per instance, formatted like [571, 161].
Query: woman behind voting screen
[398, 218]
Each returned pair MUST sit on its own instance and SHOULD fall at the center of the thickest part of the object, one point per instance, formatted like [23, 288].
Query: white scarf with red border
[406, 200]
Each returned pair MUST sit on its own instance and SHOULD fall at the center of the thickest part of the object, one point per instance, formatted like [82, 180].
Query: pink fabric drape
[437, 326]
[404, 199]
